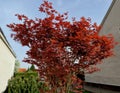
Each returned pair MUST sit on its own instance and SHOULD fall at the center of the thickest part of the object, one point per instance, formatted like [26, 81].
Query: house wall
[7, 62]
[110, 69]
[101, 89]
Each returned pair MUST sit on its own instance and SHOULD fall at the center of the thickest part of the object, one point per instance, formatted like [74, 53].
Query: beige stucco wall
[110, 69]
[7, 61]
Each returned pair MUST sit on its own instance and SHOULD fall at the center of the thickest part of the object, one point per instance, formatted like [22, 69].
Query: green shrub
[27, 74]
[23, 83]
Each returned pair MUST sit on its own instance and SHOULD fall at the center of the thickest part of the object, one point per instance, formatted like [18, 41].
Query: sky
[95, 9]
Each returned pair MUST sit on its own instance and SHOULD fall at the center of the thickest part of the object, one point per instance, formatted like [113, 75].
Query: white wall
[7, 62]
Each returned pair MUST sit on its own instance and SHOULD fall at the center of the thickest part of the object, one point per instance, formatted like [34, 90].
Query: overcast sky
[95, 9]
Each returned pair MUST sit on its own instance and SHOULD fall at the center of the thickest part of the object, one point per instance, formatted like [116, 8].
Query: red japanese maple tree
[60, 48]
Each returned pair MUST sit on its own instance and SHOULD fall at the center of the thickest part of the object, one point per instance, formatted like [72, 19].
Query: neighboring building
[110, 69]
[7, 61]
[22, 70]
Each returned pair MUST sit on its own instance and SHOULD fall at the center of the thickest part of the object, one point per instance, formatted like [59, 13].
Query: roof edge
[7, 43]
[108, 12]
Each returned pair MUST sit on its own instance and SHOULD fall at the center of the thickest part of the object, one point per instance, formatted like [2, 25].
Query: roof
[22, 70]
[111, 6]
[4, 39]
[109, 74]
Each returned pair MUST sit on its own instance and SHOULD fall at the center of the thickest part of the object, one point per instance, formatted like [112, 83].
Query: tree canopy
[61, 48]
[17, 66]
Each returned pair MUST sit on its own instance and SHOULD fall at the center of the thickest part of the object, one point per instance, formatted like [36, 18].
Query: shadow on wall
[6, 72]
[101, 88]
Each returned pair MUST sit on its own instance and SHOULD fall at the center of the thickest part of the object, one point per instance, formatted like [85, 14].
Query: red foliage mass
[61, 48]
